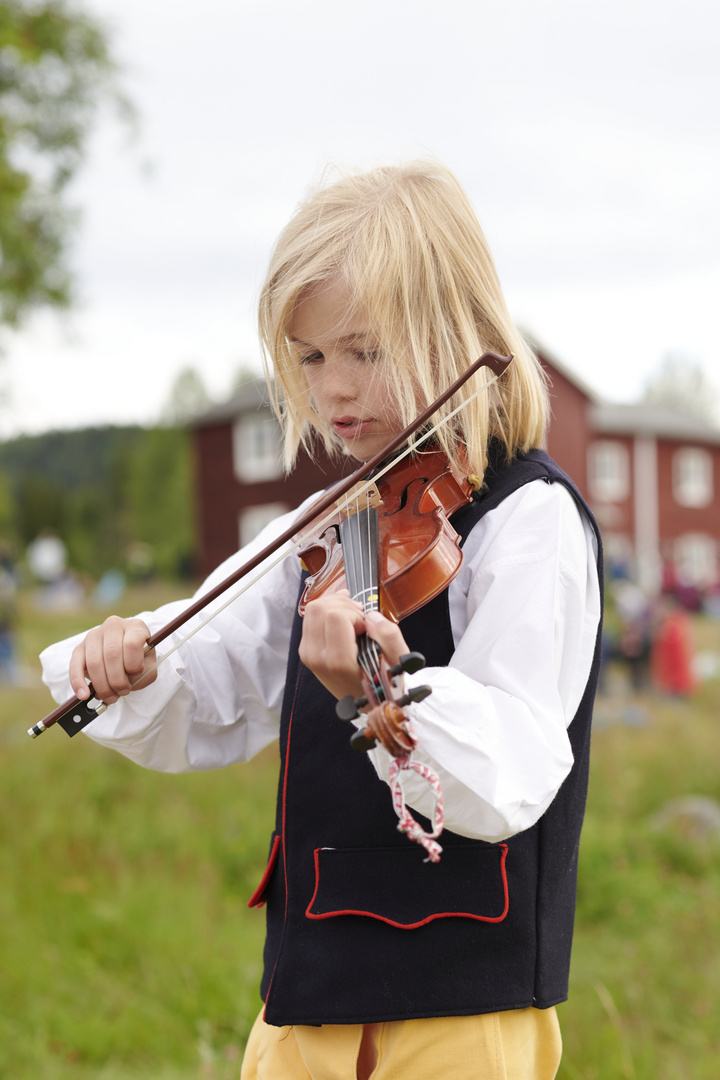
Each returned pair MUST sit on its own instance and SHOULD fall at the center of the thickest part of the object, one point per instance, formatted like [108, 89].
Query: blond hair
[407, 244]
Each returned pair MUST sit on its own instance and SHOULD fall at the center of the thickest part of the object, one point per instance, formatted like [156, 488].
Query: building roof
[613, 418]
[250, 397]
[655, 420]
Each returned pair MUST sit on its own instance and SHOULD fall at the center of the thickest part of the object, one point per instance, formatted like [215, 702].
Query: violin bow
[75, 714]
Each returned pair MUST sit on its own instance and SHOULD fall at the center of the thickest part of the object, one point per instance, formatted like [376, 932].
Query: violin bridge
[363, 496]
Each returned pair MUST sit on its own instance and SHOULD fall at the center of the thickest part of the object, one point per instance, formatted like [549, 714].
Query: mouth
[350, 427]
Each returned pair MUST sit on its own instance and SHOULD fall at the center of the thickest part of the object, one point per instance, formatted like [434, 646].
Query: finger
[135, 634]
[112, 657]
[136, 659]
[77, 672]
[104, 660]
[388, 636]
[328, 614]
[328, 646]
[329, 639]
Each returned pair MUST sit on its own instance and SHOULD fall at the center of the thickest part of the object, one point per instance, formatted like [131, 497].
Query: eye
[312, 358]
[368, 356]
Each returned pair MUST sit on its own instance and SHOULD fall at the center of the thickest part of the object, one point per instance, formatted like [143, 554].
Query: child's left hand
[331, 626]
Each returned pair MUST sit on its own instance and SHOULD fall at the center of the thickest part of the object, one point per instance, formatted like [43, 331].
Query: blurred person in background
[8, 615]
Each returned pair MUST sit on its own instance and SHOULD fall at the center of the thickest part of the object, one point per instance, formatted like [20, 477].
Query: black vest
[359, 927]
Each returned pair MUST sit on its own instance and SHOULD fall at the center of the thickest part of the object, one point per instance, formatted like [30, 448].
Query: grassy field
[128, 951]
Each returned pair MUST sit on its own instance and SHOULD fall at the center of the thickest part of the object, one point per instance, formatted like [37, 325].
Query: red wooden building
[648, 473]
[240, 485]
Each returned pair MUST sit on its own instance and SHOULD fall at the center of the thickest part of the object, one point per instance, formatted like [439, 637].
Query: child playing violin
[378, 963]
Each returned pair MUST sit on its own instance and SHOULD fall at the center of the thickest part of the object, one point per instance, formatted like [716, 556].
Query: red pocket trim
[258, 897]
[422, 922]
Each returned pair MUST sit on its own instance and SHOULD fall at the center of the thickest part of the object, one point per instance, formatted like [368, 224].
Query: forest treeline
[119, 497]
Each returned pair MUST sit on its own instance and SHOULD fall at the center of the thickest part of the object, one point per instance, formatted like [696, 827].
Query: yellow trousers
[521, 1044]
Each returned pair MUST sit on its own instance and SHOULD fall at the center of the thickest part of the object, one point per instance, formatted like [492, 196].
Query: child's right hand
[112, 657]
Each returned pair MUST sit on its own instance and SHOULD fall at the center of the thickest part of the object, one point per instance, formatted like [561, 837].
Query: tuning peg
[361, 742]
[418, 693]
[348, 708]
[410, 663]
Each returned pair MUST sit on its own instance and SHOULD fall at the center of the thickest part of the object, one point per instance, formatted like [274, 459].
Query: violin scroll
[386, 721]
[385, 724]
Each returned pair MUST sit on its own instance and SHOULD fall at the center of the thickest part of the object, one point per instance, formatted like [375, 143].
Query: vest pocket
[396, 886]
[258, 897]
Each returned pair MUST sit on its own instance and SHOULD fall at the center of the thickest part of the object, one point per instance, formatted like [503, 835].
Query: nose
[340, 379]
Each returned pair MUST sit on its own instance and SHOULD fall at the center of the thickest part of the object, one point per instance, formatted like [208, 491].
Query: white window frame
[692, 477]
[256, 447]
[609, 471]
[696, 559]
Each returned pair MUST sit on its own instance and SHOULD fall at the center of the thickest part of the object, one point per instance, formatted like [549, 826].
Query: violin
[404, 580]
[392, 545]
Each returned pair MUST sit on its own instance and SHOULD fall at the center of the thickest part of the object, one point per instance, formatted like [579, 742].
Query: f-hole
[405, 494]
[334, 527]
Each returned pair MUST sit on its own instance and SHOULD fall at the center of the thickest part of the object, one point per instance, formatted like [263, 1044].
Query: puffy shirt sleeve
[216, 701]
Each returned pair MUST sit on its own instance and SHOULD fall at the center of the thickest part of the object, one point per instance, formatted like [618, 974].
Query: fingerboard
[359, 539]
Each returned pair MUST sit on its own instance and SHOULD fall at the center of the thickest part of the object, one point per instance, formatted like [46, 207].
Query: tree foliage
[681, 382]
[107, 493]
[158, 500]
[55, 70]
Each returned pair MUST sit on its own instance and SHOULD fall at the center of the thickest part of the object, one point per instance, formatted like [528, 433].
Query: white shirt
[524, 612]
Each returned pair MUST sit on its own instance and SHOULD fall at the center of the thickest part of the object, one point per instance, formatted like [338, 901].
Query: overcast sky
[587, 135]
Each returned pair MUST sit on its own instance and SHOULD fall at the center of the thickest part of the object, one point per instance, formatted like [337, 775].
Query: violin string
[373, 563]
[357, 563]
[367, 531]
[356, 535]
[295, 544]
[371, 649]
[357, 539]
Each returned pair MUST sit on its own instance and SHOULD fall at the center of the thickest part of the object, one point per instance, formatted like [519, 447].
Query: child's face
[338, 353]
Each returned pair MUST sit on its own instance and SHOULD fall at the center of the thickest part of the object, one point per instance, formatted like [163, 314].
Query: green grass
[644, 997]
[127, 947]
[128, 952]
